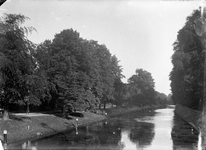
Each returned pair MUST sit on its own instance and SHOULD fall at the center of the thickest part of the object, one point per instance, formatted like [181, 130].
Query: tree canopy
[141, 88]
[67, 72]
[188, 61]
[18, 76]
[82, 72]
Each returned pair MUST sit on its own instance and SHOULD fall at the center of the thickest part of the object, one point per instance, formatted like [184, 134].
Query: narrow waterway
[145, 130]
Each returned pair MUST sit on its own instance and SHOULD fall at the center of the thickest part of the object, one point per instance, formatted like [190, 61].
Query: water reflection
[163, 121]
[137, 129]
[142, 134]
[183, 135]
[28, 146]
[146, 130]
[98, 136]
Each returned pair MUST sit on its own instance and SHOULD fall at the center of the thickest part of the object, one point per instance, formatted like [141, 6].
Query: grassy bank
[193, 117]
[22, 126]
[32, 126]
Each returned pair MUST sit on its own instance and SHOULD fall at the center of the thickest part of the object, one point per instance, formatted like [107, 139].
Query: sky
[140, 33]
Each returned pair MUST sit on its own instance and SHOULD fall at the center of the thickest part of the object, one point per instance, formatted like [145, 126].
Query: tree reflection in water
[99, 136]
[142, 134]
[183, 135]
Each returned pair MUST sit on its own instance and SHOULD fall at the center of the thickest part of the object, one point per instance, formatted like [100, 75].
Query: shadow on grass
[69, 118]
[59, 114]
[70, 125]
[44, 125]
[19, 118]
[76, 114]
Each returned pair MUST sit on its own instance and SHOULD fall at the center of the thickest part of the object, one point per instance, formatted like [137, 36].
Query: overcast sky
[139, 33]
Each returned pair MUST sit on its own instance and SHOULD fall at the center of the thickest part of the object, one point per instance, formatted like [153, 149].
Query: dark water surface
[145, 130]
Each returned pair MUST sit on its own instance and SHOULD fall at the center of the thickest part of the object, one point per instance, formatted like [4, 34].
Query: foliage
[120, 93]
[17, 69]
[80, 72]
[188, 60]
[68, 72]
[141, 88]
[162, 99]
[169, 99]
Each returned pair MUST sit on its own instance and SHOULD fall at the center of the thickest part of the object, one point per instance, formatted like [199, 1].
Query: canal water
[156, 129]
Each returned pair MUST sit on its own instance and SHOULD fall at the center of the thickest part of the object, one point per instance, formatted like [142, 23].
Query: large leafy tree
[188, 60]
[19, 83]
[80, 72]
[141, 88]
[62, 68]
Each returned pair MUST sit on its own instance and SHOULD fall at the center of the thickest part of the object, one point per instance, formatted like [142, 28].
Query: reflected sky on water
[145, 130]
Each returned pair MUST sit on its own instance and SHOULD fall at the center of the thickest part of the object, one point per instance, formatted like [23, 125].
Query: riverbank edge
[192, 117]
[83, 122]
[35, 135]
[121, 110]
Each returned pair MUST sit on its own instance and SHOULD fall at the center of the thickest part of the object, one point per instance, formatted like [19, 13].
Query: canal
[144, 130]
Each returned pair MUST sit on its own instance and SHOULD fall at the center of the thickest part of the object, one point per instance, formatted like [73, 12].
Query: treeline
[140, 91]
[187, 75]
[67, 73]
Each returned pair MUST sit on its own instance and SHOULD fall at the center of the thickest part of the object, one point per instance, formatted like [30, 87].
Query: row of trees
[187, 75]
[141, 90]
[66, 72]
[80, 73]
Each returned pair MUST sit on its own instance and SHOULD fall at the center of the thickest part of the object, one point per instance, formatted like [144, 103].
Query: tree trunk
[104, 105]
[27, 107]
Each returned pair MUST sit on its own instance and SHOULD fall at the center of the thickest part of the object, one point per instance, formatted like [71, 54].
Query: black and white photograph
[102, 74]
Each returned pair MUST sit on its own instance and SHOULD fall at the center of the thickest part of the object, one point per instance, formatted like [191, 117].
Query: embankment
[33, 126]
[191, 116]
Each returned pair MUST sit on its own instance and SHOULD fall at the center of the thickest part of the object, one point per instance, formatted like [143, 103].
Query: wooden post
[5, 137]
[76, 125]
